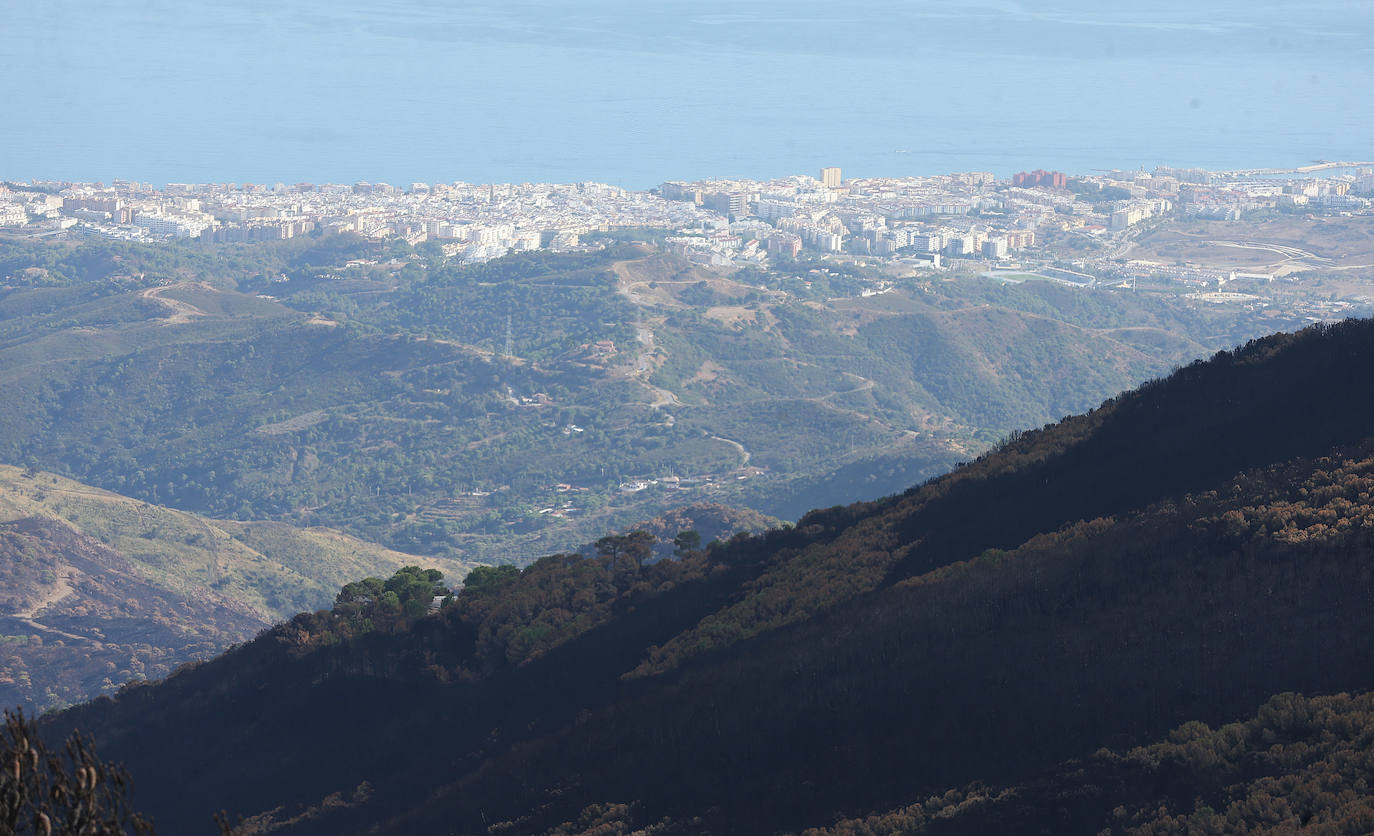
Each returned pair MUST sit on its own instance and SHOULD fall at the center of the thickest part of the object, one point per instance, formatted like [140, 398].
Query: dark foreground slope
[1300, 765]
[1181, 553]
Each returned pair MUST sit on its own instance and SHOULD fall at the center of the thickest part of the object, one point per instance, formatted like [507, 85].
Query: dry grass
[1333, 243]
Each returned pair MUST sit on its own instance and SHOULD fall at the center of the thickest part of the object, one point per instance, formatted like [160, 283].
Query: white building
[995, 248]
[171, 226]
[771, 209]
[927, 242]
[12, 214]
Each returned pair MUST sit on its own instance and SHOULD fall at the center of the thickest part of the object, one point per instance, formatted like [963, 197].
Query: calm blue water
[634, 92]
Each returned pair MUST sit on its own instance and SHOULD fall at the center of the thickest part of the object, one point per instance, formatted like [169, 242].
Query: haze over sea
[633, 93]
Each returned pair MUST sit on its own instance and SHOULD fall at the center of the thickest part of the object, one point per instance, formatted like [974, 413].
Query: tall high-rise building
[1040, 177]
[830, 177]
[733, 205]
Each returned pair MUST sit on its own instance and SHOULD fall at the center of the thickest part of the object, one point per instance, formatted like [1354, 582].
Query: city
[922, 222]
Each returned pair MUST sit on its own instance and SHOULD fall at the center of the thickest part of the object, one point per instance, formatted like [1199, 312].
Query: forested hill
[1276, 399]
[1301, 764]
[372, 388]
[1180, 554]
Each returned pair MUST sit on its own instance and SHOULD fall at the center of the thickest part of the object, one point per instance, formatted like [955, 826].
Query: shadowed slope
[1079, 588]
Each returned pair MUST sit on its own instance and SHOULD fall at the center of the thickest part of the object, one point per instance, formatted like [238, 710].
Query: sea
[637, 92]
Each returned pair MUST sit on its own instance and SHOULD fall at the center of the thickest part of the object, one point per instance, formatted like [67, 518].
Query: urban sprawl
[928, 223]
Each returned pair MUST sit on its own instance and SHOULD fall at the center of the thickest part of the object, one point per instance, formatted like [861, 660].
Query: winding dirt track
[60, 590]
[740, 447]
[180, 312]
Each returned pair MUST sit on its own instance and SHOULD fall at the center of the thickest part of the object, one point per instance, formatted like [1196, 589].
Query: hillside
[1300, 764]
[1181, 553]
[710, 521]
[331, 382]
[100, 589]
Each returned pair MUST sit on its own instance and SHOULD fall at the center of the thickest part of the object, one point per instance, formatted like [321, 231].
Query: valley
[601, 449]
[286, 397]
[687, 419]
[976, 654]
[632, 381]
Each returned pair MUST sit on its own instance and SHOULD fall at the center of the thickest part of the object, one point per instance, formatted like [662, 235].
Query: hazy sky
[640, 92]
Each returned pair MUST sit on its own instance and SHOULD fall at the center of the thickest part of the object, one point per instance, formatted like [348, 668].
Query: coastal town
[1077, 229]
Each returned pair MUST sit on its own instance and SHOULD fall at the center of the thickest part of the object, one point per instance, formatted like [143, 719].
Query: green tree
[626, 549]
[407, 593]
[358, 597]
[484, 580]
[686, 541]
[415, 589]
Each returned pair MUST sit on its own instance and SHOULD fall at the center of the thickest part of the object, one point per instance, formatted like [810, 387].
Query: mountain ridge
[916, 645]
